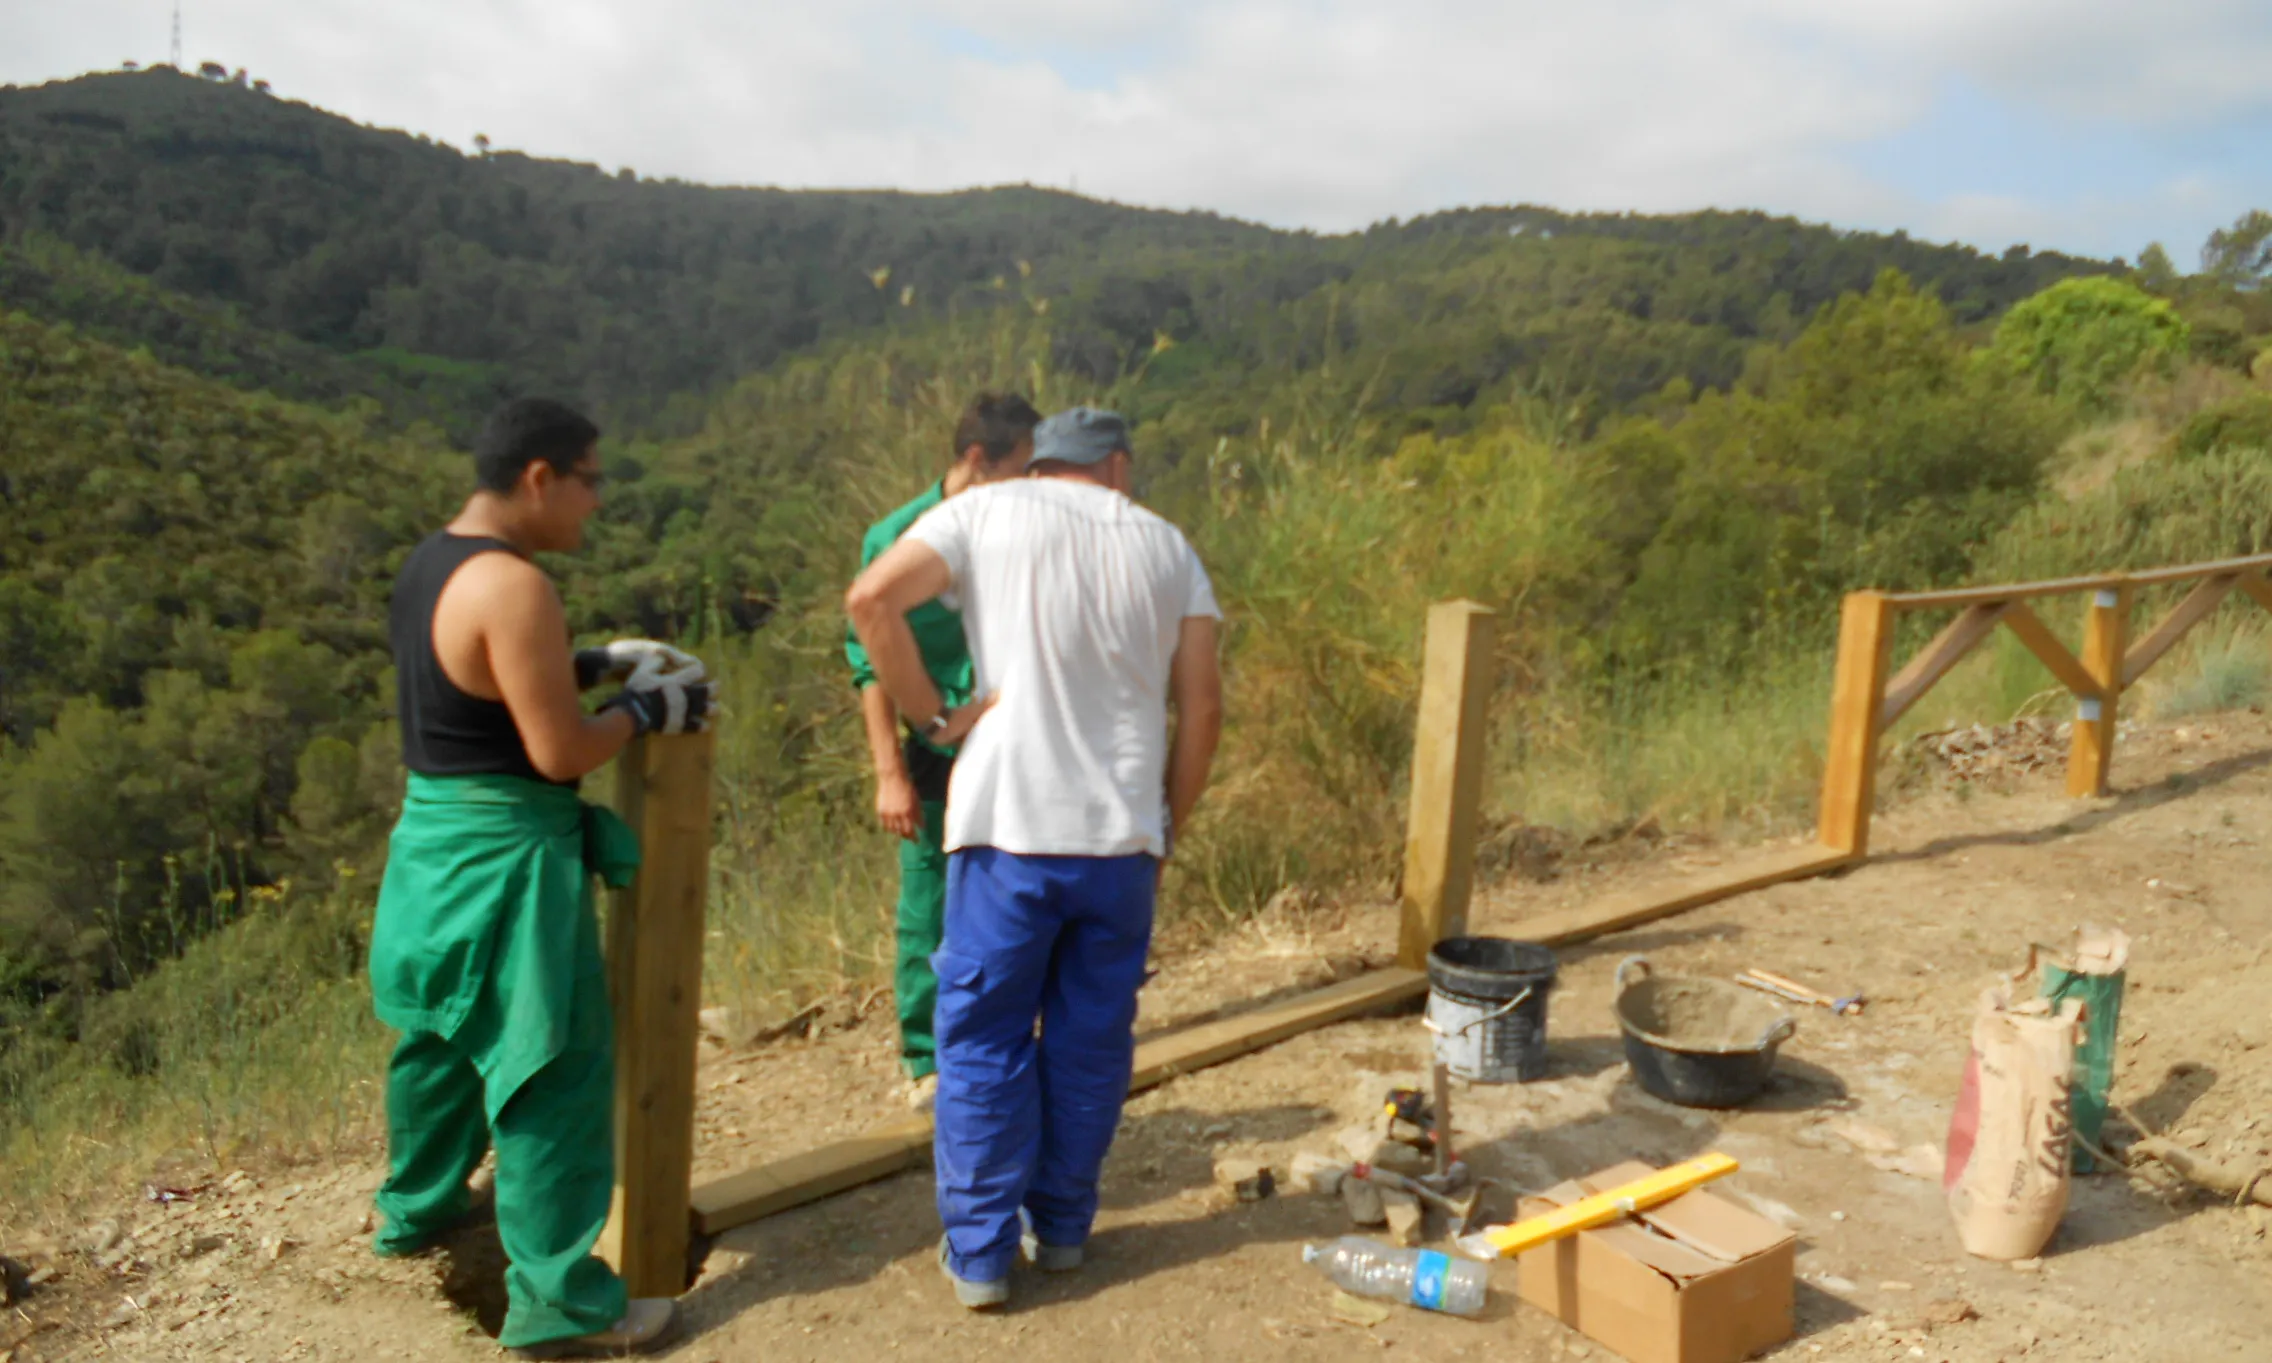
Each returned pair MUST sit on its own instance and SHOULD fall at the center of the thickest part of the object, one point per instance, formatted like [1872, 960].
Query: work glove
[667, 706]
[632, 660]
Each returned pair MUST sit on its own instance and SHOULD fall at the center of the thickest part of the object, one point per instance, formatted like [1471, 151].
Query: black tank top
[445, 732]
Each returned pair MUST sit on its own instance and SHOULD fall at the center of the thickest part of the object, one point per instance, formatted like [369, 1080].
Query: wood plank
[2258, 589]
[2063, 666]
[1447, 779]
[2154, 577]
[1163, 1057]
[2188, 613]
[2090, 754]
[1988, 596]
[2025, 591]
[1850, 766]
[724, 1203]
[1647, 905]
[737, 1199]
[654, 958]
[1933, 662]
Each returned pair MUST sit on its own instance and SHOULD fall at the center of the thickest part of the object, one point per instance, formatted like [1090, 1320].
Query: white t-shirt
[1072, 597]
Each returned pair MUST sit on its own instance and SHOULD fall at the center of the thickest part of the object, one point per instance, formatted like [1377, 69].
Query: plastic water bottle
[1421, 1277]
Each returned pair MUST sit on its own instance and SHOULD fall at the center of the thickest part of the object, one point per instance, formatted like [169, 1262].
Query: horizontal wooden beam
[1617, 913]
[2188, 613]
[737, 1199]
[724, 1203]
[1934, 660]
[1989, 596]
[2045, 645]
[1163, 1057]
[2153, 577]
[2026, 591]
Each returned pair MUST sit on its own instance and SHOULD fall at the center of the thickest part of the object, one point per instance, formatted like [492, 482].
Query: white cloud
[1320, 113]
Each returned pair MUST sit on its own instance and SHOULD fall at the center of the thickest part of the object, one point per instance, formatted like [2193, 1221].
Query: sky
[2091, 126]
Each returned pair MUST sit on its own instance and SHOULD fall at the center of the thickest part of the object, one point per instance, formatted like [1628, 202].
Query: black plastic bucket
[1487, 1007]
[1723, 1066]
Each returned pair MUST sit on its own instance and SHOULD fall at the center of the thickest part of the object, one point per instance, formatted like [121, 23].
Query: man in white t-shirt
[1089, 619]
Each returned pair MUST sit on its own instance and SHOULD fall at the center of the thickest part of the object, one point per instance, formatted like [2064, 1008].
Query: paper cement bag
[2010, 1140]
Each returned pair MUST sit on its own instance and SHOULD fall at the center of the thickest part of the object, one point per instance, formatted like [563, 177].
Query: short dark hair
[997, 423]
[525, 430]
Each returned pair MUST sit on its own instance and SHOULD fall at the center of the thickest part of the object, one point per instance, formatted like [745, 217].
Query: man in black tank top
[485, 946]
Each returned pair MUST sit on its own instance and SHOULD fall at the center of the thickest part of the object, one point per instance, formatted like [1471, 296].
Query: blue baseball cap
[1080, 435]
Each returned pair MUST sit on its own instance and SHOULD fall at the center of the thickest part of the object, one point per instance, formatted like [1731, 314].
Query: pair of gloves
[664, 688]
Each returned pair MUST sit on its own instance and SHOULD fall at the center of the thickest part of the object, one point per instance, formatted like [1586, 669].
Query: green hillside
[457, 276]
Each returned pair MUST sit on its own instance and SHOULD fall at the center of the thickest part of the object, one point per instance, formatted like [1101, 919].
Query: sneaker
[1047, 1258]
[923, 1093]
[647, 1324]
[973, 1296]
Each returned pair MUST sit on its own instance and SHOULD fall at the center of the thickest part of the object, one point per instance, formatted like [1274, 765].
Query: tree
[212, 71]
[2081, 339]
[481, 143]
[2157, 273]
[2241, 255]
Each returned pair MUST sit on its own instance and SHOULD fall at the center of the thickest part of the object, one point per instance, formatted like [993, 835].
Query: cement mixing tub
[1694, 1041]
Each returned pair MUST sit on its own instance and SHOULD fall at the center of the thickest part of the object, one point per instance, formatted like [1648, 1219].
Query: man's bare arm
[898, 808]
[1195, 689]
[904, 577]
[526, 636]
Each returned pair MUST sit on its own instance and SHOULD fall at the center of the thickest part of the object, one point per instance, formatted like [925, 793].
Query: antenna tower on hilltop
[177, 35]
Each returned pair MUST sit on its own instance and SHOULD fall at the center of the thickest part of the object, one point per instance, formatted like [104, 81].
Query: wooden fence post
[654, 961]
[1850, 767]
[1447, 778]
[2105, 637]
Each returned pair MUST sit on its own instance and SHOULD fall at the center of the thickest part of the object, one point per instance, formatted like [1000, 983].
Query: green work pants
[555, 1138]
[920, 923]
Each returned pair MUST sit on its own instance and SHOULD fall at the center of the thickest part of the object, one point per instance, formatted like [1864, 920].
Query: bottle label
[1428, 1275]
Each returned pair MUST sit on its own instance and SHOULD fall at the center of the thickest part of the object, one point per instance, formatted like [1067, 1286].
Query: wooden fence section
[1447, 775]
[1866, 704]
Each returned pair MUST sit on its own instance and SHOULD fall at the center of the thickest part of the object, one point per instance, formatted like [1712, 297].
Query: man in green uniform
[992, 441]
[485, 949]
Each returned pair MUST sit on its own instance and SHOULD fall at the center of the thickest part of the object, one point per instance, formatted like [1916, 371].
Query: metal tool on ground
[1601, 1209]
[1440, 1081]
[1460, 1199]
[1792, 990]
[1411, 1119]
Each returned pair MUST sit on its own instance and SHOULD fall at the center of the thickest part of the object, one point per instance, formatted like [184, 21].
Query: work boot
[973, 1296]
[1047, 1258]
[647, 1324]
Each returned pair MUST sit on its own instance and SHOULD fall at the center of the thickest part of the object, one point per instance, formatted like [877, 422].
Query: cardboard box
[1694, 1280]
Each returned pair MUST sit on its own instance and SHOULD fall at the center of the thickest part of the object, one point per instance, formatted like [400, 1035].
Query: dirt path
[276, 1268]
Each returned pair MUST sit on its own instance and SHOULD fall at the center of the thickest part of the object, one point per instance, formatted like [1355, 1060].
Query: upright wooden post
[654, 962]
[1447, 778]
[1850, 767]
[2105, 638]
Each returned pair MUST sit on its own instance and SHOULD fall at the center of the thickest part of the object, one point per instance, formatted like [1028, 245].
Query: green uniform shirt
[938, 630]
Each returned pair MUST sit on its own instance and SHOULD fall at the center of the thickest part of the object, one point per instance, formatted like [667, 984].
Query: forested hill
[240, 229]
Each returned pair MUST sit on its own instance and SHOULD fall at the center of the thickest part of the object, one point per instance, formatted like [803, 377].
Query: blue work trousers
[1023, 1122]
